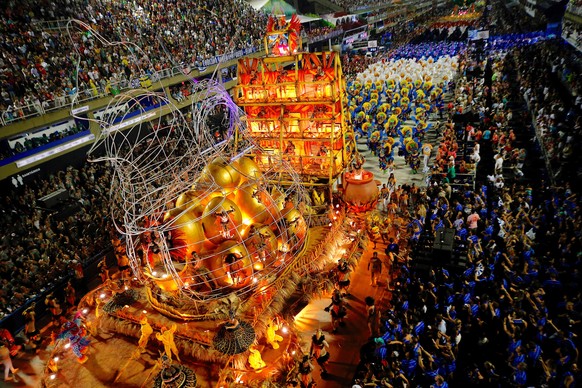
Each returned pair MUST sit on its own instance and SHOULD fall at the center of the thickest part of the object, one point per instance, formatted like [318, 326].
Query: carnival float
[224, 238]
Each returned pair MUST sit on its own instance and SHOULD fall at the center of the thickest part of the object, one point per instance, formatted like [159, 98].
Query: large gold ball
[295, 222]
[253, 208]
[263, 255]
[223, 174]
[248, 168]
[236, 275]
[214, 229]
[188, 227]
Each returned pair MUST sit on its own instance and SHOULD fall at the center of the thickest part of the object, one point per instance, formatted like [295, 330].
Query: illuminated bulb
[53, 377]
[126, 306]
[293, 352]
[56, 359]
[359, 230]
[284, 329]
[329, 224]
[186, 284]
[85, 311]
[337, 212]
[135, 279]
[145, 311]
[67, 346]
[154, 273]
[334, 218]
[255, 280]
[102, 296]
[126, 288]
[337, 205]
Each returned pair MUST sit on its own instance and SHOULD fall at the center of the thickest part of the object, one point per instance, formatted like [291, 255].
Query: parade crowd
[38, 249]
[511, 315]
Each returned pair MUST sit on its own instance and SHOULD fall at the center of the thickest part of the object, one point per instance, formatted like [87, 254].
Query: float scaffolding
[295, 109]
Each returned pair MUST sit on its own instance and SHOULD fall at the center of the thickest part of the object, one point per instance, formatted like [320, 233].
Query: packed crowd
[38, 247]
[512, 316]
[426, 50]
[391, 101]
[37, 69]
[313, 33]
[510, 319]
[556, 112]
[356, 5]
[444, 33]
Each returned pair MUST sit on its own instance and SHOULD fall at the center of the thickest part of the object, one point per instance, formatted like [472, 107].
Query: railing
[541, 141]
[45, 25]
[329, 35]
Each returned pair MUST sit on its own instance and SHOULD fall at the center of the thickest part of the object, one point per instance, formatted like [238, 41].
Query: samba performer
[54, 307]
[233, 266]
[234, 336]
[337, 309]
[319, 351]
[343, 276]
[224, 219]
[166, 337]
[305, 368]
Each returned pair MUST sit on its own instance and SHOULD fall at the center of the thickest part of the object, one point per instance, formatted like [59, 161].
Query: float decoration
[296, 111]
[283, 38]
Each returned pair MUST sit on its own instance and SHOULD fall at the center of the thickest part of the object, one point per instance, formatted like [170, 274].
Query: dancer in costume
[224, 219]
[166, 337]
[146, 332]
[319, 350]
[272, 337]
[255, 358]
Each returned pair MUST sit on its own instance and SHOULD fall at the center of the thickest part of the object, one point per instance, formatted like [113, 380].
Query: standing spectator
[373, 316]
[375, 268]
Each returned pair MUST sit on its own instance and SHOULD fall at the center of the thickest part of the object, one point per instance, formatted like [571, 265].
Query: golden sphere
[262, 245]
[295, 222]
[248, 168]
[237, 274]
[222, 173]
[187, 228]
[253, 208]
[221, 220]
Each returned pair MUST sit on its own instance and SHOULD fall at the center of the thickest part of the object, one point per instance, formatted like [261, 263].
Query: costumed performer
[166, 337]
[255, 359]
[146, 331]
[319, 351]
[272, 337]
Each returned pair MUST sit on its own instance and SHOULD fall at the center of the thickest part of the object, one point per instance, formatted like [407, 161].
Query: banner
[227, 57]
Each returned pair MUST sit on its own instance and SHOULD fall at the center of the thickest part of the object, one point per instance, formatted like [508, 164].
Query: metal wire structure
[158, 154]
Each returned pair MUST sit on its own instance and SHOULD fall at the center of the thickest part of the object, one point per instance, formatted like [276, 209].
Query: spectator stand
[14, 321]
[38, 46]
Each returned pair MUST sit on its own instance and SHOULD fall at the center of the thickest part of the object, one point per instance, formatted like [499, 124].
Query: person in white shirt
[498, 164]
[475, 157]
